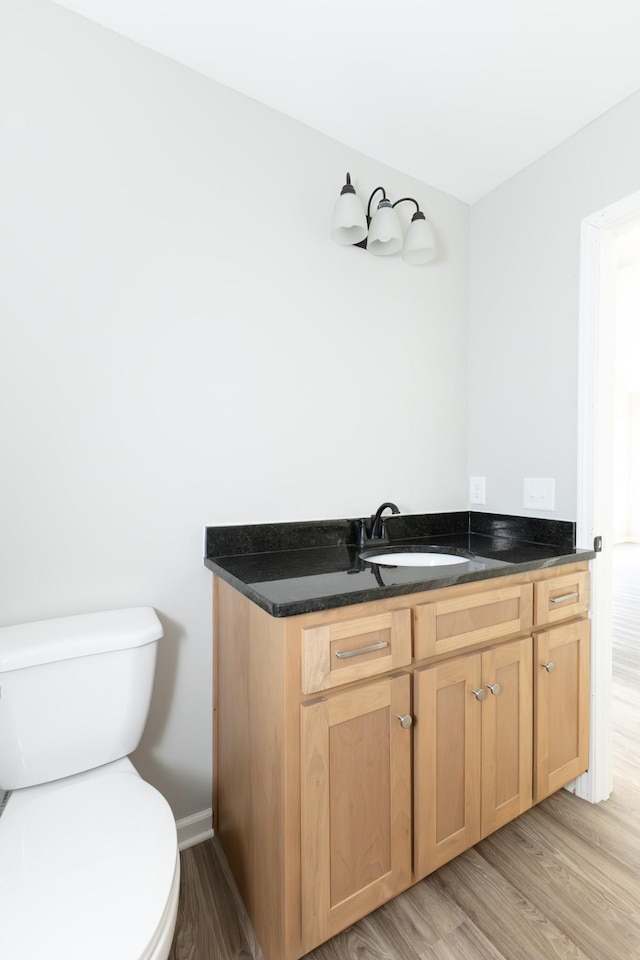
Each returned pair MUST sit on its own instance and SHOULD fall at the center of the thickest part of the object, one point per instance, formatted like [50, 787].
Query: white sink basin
[414, 559]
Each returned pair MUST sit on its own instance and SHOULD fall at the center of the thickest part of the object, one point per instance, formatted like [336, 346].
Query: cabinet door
[356, 804]
[507, 733]
[561, 678]
[447, 761]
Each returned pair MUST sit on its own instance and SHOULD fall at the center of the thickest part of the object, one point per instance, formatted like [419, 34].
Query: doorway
[603, 241]
[626, 513]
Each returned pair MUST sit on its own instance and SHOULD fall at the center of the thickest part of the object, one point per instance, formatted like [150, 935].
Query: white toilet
[89, 865]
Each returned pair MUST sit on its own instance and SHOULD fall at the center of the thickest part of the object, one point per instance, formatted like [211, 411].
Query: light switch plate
[539, 493]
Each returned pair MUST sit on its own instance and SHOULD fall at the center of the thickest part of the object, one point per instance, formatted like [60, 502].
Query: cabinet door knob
[479, 694]
[406, 720]
[549, 666]
[495, 688]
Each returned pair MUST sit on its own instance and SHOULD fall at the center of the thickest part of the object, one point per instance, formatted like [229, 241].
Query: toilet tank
[74, 692]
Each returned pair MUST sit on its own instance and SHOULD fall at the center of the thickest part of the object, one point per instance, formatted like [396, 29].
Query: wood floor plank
[559, 883]
[361, 942]
[616, 882]
[608, 825]
[512, 922]
[464, 942]
[425, 914]
[574, 903]
[212, 922]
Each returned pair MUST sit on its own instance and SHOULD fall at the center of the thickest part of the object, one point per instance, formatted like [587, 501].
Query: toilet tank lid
[46, 641]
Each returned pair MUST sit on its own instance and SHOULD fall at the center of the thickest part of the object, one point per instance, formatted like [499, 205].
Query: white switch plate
[477, 492]
[539, 494]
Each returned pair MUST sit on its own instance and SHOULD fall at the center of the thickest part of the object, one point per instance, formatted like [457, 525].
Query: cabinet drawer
[470, 619]
[338, 653]
[562, 598]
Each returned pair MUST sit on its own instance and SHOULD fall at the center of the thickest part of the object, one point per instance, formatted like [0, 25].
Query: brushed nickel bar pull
[567, 596]
[355, 653]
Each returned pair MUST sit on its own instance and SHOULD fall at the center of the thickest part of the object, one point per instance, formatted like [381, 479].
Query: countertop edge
[318, 604]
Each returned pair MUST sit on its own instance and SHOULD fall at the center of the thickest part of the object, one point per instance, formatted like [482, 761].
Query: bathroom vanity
[372, 724]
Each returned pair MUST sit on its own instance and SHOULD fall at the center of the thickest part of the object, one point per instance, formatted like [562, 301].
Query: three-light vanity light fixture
[381, 233]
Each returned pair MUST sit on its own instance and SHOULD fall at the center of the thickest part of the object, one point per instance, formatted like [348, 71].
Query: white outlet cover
[477, 490]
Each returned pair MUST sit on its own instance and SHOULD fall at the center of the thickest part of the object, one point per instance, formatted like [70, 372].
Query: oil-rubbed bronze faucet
[374, 531]
[378, 531]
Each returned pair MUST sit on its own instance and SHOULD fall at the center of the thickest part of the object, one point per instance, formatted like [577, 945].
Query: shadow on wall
[144, 758]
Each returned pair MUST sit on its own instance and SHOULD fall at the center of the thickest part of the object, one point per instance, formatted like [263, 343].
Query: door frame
[596, 383]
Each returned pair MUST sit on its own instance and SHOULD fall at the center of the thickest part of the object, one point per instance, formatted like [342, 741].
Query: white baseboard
[195, 829]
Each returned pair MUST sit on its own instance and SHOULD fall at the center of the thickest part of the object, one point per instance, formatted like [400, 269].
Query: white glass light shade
[385, 231]
[349, 222]
[419, 241]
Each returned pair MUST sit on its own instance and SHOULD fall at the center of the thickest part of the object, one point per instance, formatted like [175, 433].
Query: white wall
[181, 345]
[524, 284]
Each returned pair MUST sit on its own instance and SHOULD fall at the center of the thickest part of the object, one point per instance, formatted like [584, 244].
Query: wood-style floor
[562, 882]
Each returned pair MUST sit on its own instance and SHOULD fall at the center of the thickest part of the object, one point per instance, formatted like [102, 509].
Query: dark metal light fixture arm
[418, 215]
[407, 200]
[384, 197]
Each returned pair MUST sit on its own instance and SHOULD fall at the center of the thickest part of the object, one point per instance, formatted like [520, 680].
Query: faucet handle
[362, 533]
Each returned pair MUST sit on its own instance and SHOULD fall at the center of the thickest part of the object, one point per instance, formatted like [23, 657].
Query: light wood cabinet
[562, 691]
[473, 749]
[355, 804]
[325, 804]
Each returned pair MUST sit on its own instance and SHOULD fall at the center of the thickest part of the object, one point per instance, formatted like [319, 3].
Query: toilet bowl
[88, 869]
[89, 864]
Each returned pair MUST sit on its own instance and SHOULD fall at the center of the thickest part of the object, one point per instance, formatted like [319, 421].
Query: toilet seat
[87, 868]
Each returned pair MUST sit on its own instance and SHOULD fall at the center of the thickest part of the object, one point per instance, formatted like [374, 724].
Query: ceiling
[460, 94]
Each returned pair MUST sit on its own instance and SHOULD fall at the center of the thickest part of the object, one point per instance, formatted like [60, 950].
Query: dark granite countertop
[294, 568]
